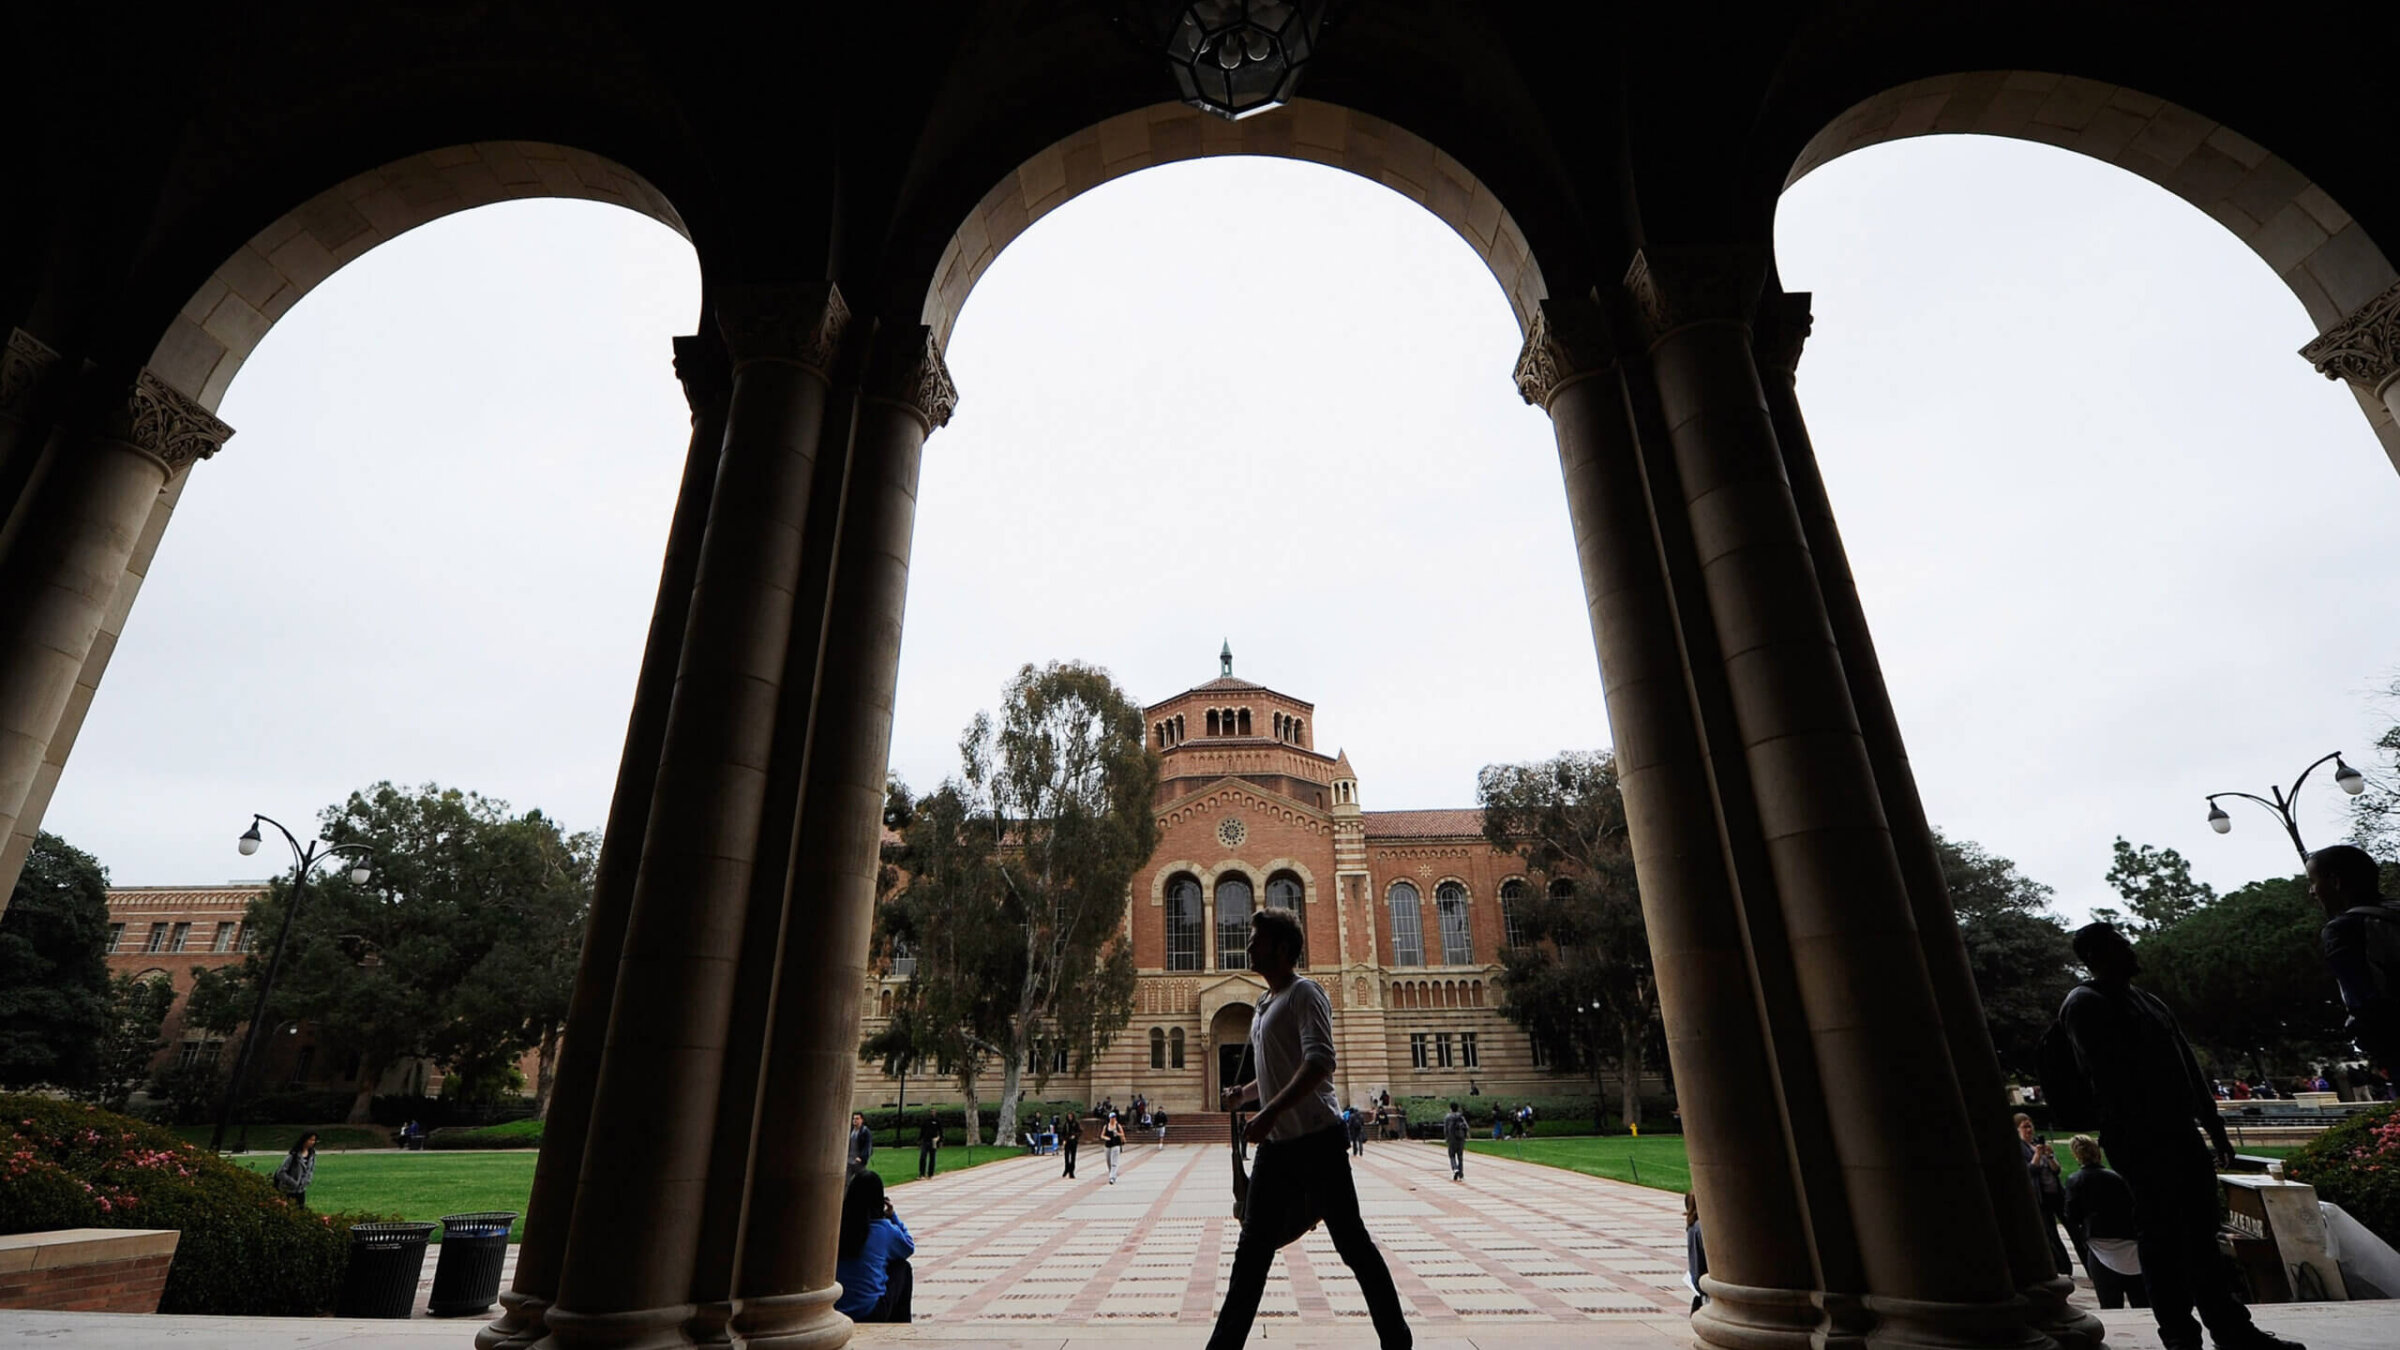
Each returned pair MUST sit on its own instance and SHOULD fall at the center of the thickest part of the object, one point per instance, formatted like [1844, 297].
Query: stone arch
[224, 320]
[1168, 133]
[2329, 261]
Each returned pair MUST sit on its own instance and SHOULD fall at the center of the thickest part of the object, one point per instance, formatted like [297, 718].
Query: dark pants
[899, 1284]
[1458, 1159]
[2054, 1217]
[925, 1159]
[2114, 1290]
[2176, 1206]
[1315, 1163]
[1069, 1150]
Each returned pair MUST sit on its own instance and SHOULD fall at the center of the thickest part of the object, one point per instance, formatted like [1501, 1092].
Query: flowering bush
[245, 1249]
[2356, 1165]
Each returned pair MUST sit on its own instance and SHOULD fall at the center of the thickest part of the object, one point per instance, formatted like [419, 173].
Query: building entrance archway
[1228, 1038]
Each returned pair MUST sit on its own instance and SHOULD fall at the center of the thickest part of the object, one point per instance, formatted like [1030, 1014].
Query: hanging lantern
[1239, 57]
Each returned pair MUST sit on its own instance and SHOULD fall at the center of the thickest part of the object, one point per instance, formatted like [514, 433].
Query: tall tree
[2375, 813]
[137, 1009]
[2157, 885]
[1013, 879]
[2245, 978]
[1581, 979]
[2022, 957]
[454, 949]
[54, 995]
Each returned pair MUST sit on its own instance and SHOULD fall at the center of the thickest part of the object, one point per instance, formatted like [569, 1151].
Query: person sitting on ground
[2153, 1106]
[2100, 1216]
[872, 1260]
[2361, 941]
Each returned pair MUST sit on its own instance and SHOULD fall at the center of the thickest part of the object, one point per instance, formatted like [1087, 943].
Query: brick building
[1406, 913]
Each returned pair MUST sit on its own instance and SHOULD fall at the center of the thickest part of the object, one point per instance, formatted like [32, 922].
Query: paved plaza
[1010, 1257]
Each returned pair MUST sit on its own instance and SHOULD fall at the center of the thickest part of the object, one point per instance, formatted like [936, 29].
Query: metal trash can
[466, 1281]
[385, 1261]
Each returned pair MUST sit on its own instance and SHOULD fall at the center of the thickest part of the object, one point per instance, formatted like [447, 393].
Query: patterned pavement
[1012, 1243]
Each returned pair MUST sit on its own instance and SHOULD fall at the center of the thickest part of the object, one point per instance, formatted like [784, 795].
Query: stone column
[635, 1227]
[700, 363]
[1780, 331]
[786, 1288]
[29, 370]
[1762, 1274]
[1935, 1266]
[2364, 349]
[86, 507]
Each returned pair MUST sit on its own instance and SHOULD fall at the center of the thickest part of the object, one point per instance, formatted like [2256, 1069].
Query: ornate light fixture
[1239, 57]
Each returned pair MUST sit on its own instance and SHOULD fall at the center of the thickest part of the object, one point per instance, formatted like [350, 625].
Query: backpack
[2066, 1087]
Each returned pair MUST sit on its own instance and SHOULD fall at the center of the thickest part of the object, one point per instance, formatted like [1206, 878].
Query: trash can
[466, 1281]
[385, 1261]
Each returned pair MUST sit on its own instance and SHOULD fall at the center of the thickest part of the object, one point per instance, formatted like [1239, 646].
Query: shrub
[299, 1107]
[245, 1250]
[2356, 1165]
[515, 1134]
[1552, 1116]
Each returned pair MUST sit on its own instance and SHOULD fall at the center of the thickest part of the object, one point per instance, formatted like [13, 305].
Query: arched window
[1179, 728]
[1234, 901]
[1284, 891]
[1299, 729]
[1408, 926]
[1479, 993]
[1175, 1048]
[1512, 895]
[1562, 888]
[1450, 903]
[1244, 718]
[1158, 1047]
[1183, 922]
[883, 1003]
[1212, 721]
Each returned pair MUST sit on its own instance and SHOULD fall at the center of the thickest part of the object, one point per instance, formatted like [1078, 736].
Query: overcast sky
[2120, 546]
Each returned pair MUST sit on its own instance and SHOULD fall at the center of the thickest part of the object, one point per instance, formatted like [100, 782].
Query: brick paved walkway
[1012, 1243]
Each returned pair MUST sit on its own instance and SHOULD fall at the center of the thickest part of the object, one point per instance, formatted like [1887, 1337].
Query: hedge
[953, 1116]
[245, 1250]
[1552, 1116]
[2356, 1165]
[525, 1133]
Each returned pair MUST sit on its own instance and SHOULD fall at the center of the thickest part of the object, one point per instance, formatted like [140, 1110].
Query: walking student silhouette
[2153, 1106]
[2361, 939]
[1069, 1135]
[1300, 1141]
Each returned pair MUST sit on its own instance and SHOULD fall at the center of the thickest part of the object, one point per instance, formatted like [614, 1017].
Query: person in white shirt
[1299, 1136]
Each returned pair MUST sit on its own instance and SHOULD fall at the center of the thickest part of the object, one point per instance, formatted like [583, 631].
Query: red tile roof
[1439, 824]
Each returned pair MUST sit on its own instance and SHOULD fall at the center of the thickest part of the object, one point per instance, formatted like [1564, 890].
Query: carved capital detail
[24, 364]
[2364, 348]
[907, 369]
[705, 372]
[165, 424]
[1677, 287]
[1781, 330]
[1568, 340]
[800, 325]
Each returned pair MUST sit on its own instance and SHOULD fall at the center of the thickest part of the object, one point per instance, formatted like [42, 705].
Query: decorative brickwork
[86, 1269]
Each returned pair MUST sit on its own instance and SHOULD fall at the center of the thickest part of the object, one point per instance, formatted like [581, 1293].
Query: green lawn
[1656, 1161]
[429, 1185]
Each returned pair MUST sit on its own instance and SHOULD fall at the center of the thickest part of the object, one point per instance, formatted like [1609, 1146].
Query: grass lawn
[427, 1186]
[1656, 1161]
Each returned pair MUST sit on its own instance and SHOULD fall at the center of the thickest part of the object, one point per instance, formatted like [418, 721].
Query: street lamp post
[2348, 779]
[304, 861]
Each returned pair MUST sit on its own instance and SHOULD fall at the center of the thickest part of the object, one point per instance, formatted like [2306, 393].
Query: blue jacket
[862, 1275]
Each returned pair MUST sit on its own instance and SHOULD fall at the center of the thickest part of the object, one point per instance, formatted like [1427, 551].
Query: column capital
[907, 369]
[24, 363]
[798, 324]
[1676, 287]
[1781, 330]
[1568, 341]
[164, 423]
[705, 372]
[2363, 348]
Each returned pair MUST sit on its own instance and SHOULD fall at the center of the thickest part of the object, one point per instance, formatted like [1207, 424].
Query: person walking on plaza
[1354, 1124]
[929, 1142]
[2361, 940]
[862, 1145]
[1158, 1118]
[1298, 1132]
[1112, 1139]
[2153, 1104]
[1070, 1133]
[1454, 1137]
[299, 1170]
[2100, 1217]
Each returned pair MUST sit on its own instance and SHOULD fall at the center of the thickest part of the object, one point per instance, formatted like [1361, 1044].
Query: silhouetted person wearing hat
[2361, 939]
[2153, 1105]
